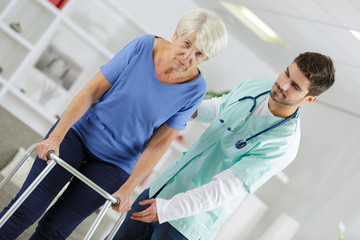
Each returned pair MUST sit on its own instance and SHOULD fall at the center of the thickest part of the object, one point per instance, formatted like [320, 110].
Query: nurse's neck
[280, 110]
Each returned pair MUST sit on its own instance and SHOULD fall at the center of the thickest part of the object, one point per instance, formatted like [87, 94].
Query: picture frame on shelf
[59, 67]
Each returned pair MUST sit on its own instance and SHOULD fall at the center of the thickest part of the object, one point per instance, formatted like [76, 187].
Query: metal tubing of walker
[27, 192]
[115, 228]
[97, 220]
[87, 181]
[56, 160]
[110, 199]
[7, 178]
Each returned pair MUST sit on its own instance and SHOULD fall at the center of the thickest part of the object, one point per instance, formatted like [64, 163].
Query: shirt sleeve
[115, 67]
[208, 110]
[179, 120]
[224, 187]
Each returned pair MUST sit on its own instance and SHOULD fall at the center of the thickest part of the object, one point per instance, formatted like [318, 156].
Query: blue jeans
[136, 230]
[74, 205]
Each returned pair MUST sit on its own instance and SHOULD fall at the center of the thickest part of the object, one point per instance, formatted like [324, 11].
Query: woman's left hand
[124, 205]
[148, 215]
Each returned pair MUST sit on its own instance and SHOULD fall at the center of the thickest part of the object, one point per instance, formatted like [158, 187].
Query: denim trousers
[136, 230]
[76, 203]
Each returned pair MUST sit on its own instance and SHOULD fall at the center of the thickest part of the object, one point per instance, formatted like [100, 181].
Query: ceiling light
[355, 33]
[254, 23]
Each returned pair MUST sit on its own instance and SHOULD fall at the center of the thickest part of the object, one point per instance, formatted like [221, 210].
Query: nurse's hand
[124, 205]
[49, 144]
[148, 215]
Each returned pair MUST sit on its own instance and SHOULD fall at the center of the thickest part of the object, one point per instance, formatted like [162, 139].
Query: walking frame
[56, 160]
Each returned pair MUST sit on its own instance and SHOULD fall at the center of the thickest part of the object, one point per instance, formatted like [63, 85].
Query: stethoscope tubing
[274, 126]
[242, 143]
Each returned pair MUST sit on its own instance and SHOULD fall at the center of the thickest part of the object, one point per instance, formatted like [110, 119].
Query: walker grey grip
[49, 153]
[117, 202]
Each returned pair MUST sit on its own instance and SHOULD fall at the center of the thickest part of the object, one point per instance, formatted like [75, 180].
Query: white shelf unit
[32, 17]
[53, 53]
[3, 4]
[12, 52]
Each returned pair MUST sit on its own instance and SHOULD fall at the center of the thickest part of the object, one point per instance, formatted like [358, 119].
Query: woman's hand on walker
[49, 144]
[148, 215]
[124, 205]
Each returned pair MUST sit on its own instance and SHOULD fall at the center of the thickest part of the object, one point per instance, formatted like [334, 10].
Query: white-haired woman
[120, 124]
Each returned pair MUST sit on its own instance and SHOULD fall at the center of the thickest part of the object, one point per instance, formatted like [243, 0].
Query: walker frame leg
[97, 220]
[27, 192]
[115, 228]
[27, 154]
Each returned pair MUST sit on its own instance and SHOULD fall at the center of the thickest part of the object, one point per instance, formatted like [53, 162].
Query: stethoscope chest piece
[240, 144]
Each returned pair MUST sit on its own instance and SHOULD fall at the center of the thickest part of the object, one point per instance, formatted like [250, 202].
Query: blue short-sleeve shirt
[118, 126]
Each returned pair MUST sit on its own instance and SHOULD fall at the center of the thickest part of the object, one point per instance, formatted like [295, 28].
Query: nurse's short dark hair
[319, 69]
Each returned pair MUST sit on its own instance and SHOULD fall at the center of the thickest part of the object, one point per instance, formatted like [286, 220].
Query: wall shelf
[54, 52]
[15, 103]
[3, 4]
[31, 18]
[6, 28]
[12, 53]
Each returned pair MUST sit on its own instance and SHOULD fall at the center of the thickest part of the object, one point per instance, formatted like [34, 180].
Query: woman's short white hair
[211, 33]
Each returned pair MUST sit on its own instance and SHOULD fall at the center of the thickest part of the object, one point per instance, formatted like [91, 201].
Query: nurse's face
[184, 55]
[291, 87]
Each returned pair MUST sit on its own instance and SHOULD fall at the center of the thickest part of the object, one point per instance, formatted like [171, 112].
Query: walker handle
[117, 202]
[48, 154]
[52, 156]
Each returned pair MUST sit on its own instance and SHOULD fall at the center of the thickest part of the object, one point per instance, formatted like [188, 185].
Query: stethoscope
[242, 143]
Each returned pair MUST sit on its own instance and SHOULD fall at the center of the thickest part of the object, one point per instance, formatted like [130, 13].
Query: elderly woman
[118, 127]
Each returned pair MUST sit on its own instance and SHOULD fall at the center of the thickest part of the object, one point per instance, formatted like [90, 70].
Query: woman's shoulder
[144, 39]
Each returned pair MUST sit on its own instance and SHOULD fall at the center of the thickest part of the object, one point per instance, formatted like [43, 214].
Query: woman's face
[184, 55]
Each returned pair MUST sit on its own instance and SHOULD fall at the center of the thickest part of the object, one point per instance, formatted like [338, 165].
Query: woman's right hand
[124, 198]
[49, 144]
